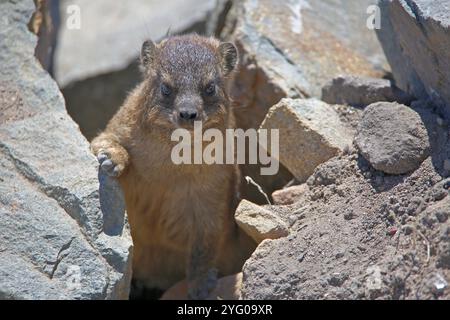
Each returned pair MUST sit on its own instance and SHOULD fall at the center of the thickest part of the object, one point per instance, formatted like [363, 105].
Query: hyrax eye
[165, 90]
[210, 89]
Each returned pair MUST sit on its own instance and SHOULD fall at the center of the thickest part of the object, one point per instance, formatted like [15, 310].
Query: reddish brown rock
[289, 195]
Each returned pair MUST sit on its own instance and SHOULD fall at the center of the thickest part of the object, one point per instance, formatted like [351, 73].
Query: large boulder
[361, 91]
[111, 34]
[305, 140]
[292, 48]
[392, 137]
[60, 237]
[415, 36]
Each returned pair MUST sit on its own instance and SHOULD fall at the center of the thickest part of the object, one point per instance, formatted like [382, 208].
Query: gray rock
[362, 91]
[415, 36]
[216, 20]
[58, 239]
[95, 91]
[112, 33]
[292, 48]
[392, 137]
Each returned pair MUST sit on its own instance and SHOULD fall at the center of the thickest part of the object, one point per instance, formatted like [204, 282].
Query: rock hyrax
[181, 216]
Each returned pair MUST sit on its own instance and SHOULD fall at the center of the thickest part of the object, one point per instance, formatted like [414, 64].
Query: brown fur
[181, 216]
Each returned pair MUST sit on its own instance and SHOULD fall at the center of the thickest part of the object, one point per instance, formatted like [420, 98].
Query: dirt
[361, 234]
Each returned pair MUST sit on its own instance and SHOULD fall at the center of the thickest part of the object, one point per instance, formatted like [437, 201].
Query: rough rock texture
[311, 132]
[289, 195]
[362, 91]
[392, 137]
[60, 238]
[259, 223]
[116, 32]
[367, 236]
[415, 35]
[292, 48]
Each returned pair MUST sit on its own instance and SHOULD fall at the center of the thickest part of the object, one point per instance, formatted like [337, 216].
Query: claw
[102, 157]
[107, 165]
[116, 171]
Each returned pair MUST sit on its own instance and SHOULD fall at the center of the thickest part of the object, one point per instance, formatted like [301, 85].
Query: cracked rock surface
[59, 236]
[415, 35]
[292, 48]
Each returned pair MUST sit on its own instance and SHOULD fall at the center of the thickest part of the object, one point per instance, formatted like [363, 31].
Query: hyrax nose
[188, 114]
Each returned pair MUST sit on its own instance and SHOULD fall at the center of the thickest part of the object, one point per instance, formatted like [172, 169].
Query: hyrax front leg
[201, 273]
[113, 158]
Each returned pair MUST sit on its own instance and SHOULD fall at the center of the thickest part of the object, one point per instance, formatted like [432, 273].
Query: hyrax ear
[148, 53]
[229, 57]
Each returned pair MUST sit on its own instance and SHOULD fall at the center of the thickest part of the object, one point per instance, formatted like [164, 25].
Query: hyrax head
[187, 80]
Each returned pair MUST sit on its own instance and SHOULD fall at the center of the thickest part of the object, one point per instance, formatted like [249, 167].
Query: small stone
[392, 231]
[392, 138]
[302, 257]
[340, 190]
[415, 206]
[318, 194]
[349, 215]
[439, 284]
[440, 190]
[441, 216]
[305, 142]
[391, 216]
[289, 195]
[408, 229]
[292, 219]
[447, 185]
[337, 279]
[259, 223]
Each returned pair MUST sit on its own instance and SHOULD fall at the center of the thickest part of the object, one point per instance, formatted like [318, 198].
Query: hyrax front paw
[110, 163]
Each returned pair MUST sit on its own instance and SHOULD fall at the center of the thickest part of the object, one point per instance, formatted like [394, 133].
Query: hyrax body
[181, 216]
